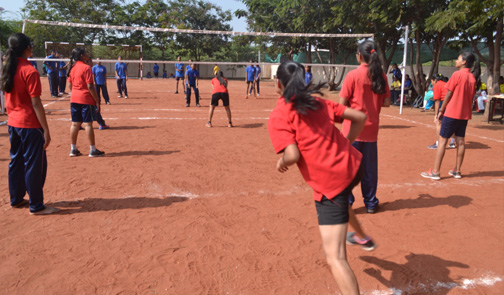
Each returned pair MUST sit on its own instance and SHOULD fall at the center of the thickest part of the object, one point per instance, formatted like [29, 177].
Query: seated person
[428, 100]
[148, 75]
[395, 90]
[481, 98]
[165, 75]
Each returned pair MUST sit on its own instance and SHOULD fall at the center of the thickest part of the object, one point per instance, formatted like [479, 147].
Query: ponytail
[220, 78]
[367, 50]
[291, 75]
[473, 63]
[77, 53]
[18, 43]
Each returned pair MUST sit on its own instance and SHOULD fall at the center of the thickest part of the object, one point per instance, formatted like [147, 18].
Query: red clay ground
[178, 208]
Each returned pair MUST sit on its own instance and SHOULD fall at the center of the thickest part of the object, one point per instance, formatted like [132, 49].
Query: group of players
[301, 127]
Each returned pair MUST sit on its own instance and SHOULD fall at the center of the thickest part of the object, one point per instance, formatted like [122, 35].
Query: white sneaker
[119, 96]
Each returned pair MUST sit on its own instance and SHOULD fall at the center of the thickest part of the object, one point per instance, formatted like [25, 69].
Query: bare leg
[247, 93]
[354, 223]
[438, 129]
[176, 88]
[89, 132]
[333, 242]
[460, 152]
[210, 113]
[440, 154]
[228, 113]
[74, 132]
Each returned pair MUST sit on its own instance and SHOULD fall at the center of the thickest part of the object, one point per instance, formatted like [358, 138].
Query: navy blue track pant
[369, 182]
[28, 166]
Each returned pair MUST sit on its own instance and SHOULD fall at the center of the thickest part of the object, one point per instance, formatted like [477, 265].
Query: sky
[13, 11]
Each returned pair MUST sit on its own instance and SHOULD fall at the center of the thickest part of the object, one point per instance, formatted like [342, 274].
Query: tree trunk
[414, 79]
[497, 56]
[439, 43]
[421, 81]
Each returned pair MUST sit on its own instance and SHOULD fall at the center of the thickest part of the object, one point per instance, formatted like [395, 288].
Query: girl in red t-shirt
[302, 128]
[366, 89]
[28, 130]
[219, 92]
[456, 111]
[84, 102]
[439, 90]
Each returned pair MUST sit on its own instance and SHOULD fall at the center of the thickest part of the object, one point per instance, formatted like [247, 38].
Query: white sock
[436, 142]
[73, 146]
[92, 148]
[452, 141]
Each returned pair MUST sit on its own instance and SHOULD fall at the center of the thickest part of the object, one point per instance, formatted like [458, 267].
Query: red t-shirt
[357, 91]
[328, 161]
[463, 86]
[80, 76]
[439, 90]
[217, 87]
[18, 102]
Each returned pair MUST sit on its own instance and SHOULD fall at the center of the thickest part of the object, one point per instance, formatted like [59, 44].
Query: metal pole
[259, 56]
[2, 111]
[403, 65]
[24, 26]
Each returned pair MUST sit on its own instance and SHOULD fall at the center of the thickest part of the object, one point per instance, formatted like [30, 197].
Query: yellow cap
[483, 86]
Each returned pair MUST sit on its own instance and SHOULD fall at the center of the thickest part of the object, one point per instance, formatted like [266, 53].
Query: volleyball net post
[403, 67]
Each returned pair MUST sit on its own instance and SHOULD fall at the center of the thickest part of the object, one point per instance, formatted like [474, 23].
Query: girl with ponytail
[28, 130]
[84, 102]
[456, 111]
[302, 128]
[366, 89]
[219, 92]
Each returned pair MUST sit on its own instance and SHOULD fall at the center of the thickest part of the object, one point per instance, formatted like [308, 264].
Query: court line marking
[63, 97]
[162, 118]
[433, 127]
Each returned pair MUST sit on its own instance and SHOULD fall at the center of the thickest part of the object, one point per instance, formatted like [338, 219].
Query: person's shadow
[101, 204]
[422, 274]
[423, 201]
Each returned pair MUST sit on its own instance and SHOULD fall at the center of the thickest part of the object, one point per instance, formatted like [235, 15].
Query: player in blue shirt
[179, 74]
[34, 64]
[121, 73]
[308, 75]
[52, 73]
[192, 81]
[62, 75]
[250, 78]
[100, 79]
[257, 79]
[156, 70]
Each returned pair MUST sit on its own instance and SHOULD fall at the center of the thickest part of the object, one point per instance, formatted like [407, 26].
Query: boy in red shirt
[302, 128]
[456, 111]
[28, 130]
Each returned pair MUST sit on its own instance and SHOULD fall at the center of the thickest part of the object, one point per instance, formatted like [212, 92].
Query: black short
[250, 82]
[82, 112]
[179, 78]
[222, 96]
[335, 210]
[451, 126]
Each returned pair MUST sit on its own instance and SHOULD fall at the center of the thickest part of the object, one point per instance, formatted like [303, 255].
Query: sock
[92, 148]
[452, 140]
[73, 146]
[437, 142]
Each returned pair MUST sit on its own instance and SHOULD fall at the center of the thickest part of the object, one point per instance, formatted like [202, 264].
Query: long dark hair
[438, 77]
[77, 53]
[367, 50]
[220, 77]
[473, 63]
[292, 76]
[18, 43]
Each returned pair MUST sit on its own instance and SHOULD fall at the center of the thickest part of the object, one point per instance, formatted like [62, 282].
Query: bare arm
[358, 120]
[40, 113]
[290, 157]
[386, 102]
[447, 99]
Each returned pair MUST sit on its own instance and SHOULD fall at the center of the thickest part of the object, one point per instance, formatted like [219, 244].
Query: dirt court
[178, 208]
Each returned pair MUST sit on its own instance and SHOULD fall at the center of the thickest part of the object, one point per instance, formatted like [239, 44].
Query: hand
[47, 139]
[281, 167]
[440, 115]
[97, 107]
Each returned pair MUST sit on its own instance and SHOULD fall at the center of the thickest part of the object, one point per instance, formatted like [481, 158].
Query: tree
[477, 21]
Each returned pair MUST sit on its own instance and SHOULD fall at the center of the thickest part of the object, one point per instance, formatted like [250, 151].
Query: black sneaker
[366, 244]
[96, 153]
[75, 153]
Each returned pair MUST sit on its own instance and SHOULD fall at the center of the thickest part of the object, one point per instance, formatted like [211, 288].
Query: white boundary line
[61, 98]
[431, 126]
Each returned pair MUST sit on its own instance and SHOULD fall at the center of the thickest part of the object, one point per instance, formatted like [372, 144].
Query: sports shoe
[23, 203]
[75, 153]
[119, 96]
[372, 211]
[47, 210]
[456, 175]
[431, 175]
[96, 153]
[126, 97]
[366, 244]
[432, 147]
[230, 125]
[176, 92]
[108, 102]
[102, 127]
[452, 146]
[198, 105]
[208, 125]
[187, 105]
